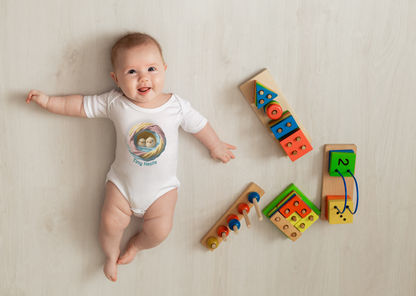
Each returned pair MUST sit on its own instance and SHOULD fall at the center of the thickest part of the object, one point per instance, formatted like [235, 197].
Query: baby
[142, 179]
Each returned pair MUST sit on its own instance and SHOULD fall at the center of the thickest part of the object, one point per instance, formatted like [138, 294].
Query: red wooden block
[296, 145]
[295, 204]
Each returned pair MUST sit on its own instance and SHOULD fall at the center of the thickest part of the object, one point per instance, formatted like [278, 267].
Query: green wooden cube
[341, 160]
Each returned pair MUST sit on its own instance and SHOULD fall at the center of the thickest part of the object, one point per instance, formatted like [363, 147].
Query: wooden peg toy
[223, 232]
[254, 197]
[338, 158]
[230, 220]
[244, 209]
[262, 92]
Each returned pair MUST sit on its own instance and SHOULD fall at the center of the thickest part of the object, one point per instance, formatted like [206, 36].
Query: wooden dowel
[256, 205]
[235, 228]
[224, 236]
[246, 219]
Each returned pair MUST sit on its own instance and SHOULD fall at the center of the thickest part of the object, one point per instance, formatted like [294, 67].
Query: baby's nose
[143, 78]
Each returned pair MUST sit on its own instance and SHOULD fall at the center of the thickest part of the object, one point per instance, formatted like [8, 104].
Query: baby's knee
[112, 220]
[161, 231]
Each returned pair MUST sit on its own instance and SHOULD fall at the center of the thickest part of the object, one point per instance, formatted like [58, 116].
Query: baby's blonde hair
[132, 40]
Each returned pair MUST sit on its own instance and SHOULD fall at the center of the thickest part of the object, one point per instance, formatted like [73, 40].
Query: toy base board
[243, 198]
[334, 185]
[264, 77]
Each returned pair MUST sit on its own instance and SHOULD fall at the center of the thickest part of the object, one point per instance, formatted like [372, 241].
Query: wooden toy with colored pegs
[277, 115]
[230, 221]
[338, 183]
[292, 212]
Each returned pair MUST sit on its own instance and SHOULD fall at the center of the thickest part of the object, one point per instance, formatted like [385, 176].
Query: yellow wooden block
[304, 223]
[335, 217]
[294, 218]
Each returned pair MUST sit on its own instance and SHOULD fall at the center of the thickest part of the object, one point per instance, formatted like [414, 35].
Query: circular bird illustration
[146, 141]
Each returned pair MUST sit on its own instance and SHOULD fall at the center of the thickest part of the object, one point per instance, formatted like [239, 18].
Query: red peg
[230, 217]
[223, 232]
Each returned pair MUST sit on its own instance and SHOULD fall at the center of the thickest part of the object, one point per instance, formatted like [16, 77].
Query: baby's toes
[110, 270]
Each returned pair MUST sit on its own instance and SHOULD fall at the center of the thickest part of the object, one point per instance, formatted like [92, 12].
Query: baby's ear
[114, 76]
[165, 66]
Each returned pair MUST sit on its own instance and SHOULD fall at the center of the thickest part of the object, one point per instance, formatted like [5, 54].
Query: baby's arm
[218, 149]
[69, 105]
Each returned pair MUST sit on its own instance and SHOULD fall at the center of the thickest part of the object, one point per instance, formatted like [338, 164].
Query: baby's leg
[157, 224]
[115, 217]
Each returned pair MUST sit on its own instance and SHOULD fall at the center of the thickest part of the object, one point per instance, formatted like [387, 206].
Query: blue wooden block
[284, 127]
[266, 92]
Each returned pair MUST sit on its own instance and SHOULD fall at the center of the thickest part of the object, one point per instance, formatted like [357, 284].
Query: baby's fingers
[231, 154]
[230, 146]
[31, 94]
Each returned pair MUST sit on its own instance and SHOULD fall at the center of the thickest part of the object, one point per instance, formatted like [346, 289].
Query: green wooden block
[341, 161]
[283, 195]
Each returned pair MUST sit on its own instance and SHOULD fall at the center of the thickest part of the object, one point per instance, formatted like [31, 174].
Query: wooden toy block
[262, 95]
[294, 218]
[295, 204]
[268, 210]
[333, 185]
[287, 199]
[285, 115]
[304, 223]
[285, 226]
[296, 145]
[215, 235]
[264, 77]
[335, 204]
[341, 160]
[284, 127]
[273, 110]
[336, 198]
[280, 204]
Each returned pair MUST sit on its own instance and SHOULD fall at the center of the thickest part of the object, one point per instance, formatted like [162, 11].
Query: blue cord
[358, 194]
[345, 188]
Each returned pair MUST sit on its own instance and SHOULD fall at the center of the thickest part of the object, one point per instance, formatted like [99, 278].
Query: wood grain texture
[348, 69]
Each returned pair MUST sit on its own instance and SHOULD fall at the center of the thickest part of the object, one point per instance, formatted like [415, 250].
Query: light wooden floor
[348, 69]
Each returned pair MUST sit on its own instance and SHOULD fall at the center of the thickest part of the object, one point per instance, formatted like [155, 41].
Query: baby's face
[140, 73]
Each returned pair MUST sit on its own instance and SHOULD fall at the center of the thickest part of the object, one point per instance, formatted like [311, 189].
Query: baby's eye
[151, 69]
[131, 71]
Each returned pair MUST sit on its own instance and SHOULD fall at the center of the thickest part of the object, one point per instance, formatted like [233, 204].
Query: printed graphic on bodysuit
[146, 141]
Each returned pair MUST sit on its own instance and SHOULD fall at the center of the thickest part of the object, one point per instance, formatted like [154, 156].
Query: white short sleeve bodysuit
[144, 171]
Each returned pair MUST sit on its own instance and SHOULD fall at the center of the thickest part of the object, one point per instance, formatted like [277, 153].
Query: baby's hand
[39, 97]
[222, 152]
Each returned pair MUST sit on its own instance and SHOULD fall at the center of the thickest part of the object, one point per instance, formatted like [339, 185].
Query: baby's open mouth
[144, 89]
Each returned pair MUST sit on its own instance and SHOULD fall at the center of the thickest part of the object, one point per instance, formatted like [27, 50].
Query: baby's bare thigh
[163, 207]
[115, 203]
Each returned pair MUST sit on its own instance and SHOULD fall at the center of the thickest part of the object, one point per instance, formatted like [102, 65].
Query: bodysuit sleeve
[98, 106]
[192, 121]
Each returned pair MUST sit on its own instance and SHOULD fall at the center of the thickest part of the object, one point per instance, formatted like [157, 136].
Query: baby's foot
[110, 269]
[130, 253]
